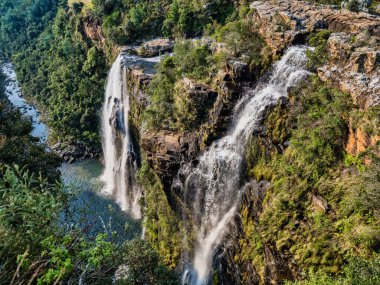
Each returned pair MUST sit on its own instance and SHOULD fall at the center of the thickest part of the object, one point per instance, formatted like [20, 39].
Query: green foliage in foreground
[36, 248]
[321, 207]
[40, 244]
[144, 266]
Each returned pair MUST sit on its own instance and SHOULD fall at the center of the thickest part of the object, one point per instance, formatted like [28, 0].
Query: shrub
[319, 55]
[240, 41]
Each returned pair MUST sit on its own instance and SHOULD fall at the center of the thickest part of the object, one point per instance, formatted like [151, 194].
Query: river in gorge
[89, 208]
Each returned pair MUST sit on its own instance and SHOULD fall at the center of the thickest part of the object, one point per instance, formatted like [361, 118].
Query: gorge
[180, 142]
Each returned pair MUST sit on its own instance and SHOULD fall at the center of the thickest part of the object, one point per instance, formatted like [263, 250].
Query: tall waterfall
[119, 156]
[212, 189]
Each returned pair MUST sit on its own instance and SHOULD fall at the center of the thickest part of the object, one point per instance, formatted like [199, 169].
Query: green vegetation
[65, 74]
[357, 271]
[36, 248]
[240, 42]
[57, 65]
[319, 55]
[63, 70]
[41, 245]
[17, 146]
[190, 59]
[321, 205]
[162, 225]
[144, 266]
[127, 21]
[172, 106]
[22, 21]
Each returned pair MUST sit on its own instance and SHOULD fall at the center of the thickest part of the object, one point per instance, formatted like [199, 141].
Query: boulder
[320, 203]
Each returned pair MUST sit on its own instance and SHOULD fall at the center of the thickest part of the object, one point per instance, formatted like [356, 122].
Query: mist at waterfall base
[91, 211]
[120, 158]
[213, 188]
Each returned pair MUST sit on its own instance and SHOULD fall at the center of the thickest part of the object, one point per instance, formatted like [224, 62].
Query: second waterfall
[212, 189]
[119, 156]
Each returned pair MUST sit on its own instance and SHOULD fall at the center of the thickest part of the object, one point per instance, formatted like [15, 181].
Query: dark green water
[89, 209]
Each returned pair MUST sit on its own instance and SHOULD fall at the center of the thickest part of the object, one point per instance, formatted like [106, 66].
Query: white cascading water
[119, 157]
[212, 189]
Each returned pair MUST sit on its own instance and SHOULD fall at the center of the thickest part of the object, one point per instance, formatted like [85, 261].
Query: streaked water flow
[119, 155]
[212, 189]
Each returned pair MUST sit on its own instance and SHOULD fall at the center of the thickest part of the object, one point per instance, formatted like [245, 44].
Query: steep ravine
[242, 149]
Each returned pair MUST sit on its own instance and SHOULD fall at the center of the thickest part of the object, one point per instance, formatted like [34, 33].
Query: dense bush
[357, 271]
[162, 224]
[128, 21]
[241, 41]
[22, 21]
[36, 247]
[144, 266]
[66, 74]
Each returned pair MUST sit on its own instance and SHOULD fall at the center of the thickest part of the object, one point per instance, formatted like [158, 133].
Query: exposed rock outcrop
[354, 67]
[93, 31]
[353, 46]
[150, 48]
[167, 149]
[353, 50]
[285, 22]
[359, 141]
[75, 151]
[155, 47]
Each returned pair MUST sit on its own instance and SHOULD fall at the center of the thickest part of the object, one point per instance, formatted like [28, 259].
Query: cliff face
[167, 149]
[247, 255]
[353, 46]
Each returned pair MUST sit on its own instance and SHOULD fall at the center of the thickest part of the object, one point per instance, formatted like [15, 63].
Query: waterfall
[212, 189]
[119, 156]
